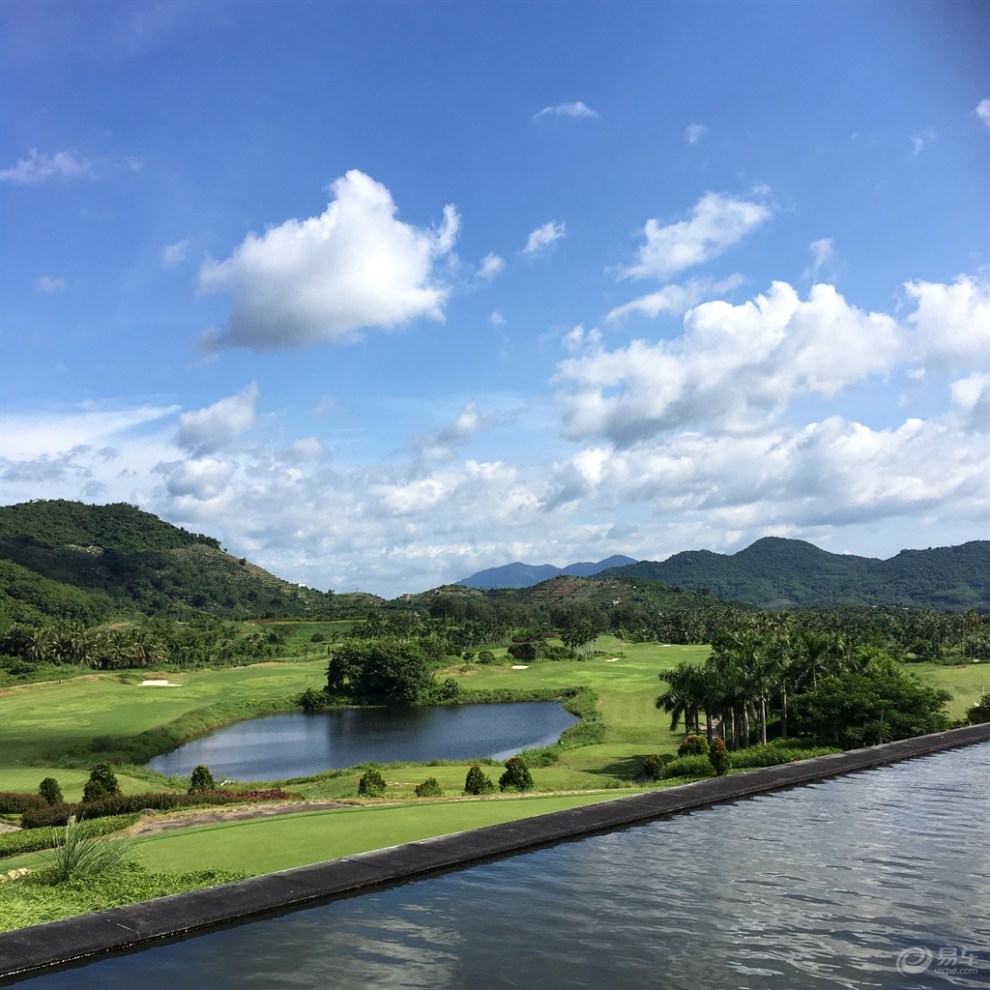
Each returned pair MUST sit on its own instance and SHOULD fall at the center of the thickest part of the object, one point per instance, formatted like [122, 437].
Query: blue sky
[382, 294]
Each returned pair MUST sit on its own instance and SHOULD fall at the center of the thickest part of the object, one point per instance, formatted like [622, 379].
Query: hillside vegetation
[90, 563]
[775, 573]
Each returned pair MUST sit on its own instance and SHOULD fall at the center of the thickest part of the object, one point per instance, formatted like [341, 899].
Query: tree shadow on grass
[624, 767]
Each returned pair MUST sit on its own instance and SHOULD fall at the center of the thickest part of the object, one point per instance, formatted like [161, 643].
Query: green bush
[772, 754]
[371, 784]
[719, 758]
[688, 766]
[50, 791]
[486, 656]
[980, 712]
[429, 788]
[35, 839]
[477, 782]
[693, 746]
[517, 776]
[653, 765]
[201, 780]
[13, 803]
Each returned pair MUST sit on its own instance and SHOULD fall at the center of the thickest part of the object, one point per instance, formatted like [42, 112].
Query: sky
[383, 294]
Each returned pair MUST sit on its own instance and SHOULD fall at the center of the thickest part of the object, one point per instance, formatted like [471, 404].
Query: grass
[48, 729]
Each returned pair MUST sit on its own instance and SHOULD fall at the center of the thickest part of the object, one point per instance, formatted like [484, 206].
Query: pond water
[875, 880]
[277, 747]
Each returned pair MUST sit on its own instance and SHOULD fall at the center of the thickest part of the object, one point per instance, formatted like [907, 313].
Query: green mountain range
[776, 573]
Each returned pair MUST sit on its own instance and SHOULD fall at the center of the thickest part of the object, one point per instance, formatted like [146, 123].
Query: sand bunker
[520, 666]
[612, 660]
[158, 683]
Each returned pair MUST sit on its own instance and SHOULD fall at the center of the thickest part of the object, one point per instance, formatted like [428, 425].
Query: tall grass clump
[75, 854]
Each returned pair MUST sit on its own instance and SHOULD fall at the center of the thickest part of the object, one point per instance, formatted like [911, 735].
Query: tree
[880, 704]
[201, 780]
[102, 784]
[50, 791]
[517, 776]
[477, 782]
[980, 712]
[382, 670]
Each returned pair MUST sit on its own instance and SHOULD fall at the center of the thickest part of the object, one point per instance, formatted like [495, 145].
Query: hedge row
[12, 803]
[35, 839]
[122, 804]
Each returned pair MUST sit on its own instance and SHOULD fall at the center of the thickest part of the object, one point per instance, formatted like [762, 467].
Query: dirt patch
[241, 812]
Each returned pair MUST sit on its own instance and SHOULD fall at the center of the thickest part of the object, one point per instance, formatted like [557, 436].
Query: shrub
[429, 788]
[371, 784]
[13, 803]
[719, 758]
[50, 791]
[201, 780]
[517, 776]
[77, 855]
[486, 656]
[477, 782]
[34, 839]
[653, 765]
[980, 712]
[693, 746]
[688, 766]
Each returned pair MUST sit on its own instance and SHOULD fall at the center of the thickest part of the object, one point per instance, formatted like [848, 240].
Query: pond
[874, 880]
[278, 747]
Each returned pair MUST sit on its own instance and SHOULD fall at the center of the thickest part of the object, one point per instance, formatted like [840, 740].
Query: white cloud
[920, 141]
[672, 298]
[496, 319]
[983, 111]
[694, 133]
[37, 168]
[201, 478]
[951, 324]
[717, 222]
[541, 238]
[734, 370]
[328, 277]
[578, 109]
[174, 254]
[822, 251]
[490, 266]
[214, 428]
[50, 283]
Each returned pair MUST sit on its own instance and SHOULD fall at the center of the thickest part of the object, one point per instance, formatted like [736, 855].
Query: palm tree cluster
[750, 673]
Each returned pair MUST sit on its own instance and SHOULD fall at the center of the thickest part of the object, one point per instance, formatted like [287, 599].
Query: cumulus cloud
[201, 478]
[951, 324]
[38, 168]
[174, 254]
[983, 111]
[733, 371]
[694, 133]
[50, 283]
[206, 431]
[579, 109]
[328, 277]
[717, 222]
[541, 238]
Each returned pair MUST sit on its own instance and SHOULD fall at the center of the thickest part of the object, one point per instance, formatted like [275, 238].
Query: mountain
[779, 573]
[519, 575]
[95, 562]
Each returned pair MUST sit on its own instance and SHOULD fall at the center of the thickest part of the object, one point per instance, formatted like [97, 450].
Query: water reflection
[821, 886]
[297, 744]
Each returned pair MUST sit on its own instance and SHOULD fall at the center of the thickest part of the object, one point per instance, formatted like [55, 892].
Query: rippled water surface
[297, 745]
[820, 886]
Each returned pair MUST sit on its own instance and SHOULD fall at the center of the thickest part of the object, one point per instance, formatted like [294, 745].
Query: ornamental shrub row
[122, 804]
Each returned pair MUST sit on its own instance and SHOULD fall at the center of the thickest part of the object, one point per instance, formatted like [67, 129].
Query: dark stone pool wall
[29, 950]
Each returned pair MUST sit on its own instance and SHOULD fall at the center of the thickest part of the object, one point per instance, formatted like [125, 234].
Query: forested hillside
[777, 573]
[89, 563]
